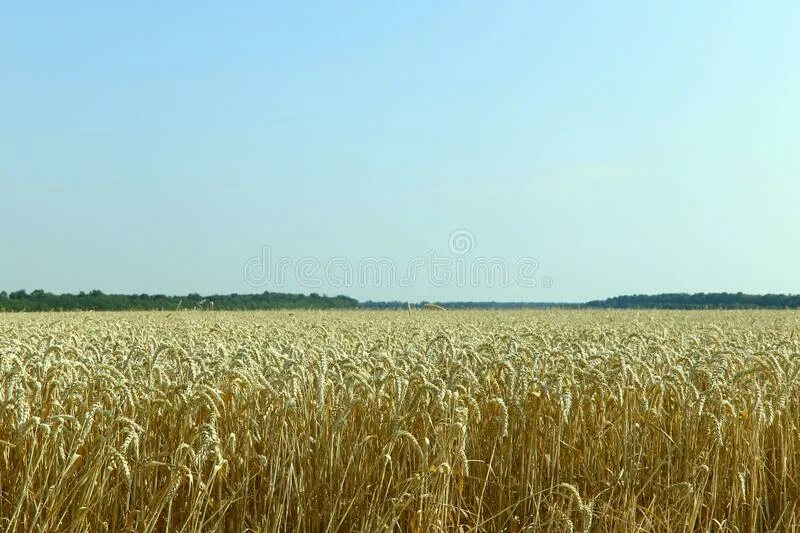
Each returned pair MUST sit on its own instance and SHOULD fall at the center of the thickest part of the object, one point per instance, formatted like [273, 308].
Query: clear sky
[628, 148]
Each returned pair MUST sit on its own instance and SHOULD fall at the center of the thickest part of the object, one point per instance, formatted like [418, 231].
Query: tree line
[96, 300]
[700, 300]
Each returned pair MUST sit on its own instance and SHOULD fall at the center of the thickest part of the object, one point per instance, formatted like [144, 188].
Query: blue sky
[627, 148]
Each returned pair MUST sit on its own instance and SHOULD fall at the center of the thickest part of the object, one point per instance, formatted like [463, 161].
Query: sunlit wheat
[412, 421]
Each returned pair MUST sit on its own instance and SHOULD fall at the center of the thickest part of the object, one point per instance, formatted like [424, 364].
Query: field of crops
[423, 421]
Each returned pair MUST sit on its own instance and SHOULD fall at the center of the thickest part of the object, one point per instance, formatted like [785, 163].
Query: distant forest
[39, 300]
[701, 300]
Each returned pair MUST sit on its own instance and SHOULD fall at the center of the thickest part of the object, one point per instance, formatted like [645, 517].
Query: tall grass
[369, 421]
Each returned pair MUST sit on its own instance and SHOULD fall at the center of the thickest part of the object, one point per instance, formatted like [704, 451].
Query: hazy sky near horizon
[628, 148]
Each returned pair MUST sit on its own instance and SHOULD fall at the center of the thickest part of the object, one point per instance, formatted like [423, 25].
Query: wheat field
[425, 421]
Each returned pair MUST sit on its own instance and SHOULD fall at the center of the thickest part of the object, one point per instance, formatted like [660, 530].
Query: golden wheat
[412, 421]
